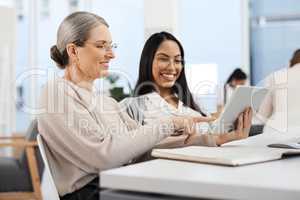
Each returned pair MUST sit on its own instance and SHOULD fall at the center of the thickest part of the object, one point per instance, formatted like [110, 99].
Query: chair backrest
[31, 135]
[51, 189]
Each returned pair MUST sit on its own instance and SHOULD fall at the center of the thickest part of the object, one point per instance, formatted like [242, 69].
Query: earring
[77, 63]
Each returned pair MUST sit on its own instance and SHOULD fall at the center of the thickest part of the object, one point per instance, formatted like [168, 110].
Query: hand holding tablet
[243, 97]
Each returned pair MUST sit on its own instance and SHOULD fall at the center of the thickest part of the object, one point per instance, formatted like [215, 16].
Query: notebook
[226, 155]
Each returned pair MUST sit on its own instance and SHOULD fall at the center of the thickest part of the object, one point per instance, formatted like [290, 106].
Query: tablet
[242, 97]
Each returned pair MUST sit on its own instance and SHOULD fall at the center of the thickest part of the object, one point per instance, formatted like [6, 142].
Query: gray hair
[75, 28]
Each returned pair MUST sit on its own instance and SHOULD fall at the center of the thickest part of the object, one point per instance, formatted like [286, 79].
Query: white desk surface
[271, 180]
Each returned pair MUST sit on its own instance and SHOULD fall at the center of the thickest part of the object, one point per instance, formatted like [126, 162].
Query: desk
[270, 180]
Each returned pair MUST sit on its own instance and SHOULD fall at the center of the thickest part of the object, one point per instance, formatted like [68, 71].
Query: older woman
[85, 132]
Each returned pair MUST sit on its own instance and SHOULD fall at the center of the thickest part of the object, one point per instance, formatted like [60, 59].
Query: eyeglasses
[104, 46]
[110, 47]
[166, 61]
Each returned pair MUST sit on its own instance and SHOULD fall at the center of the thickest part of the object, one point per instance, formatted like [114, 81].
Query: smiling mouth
[169, 77]
[105, 64]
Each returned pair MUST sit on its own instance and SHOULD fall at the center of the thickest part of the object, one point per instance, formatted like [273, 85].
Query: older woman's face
[167, 64]
[95, 55]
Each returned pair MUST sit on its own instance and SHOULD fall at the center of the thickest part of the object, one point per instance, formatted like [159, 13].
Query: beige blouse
[86, 133]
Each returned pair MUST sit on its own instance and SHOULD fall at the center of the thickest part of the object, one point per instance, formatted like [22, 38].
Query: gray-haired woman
[84, 132]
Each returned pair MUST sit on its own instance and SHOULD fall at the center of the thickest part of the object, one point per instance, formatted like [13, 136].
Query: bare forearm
[172, 142]
[224, 138]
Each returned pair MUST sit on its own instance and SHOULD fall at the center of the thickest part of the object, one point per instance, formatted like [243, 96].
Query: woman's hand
[186, 124]
[243, 125]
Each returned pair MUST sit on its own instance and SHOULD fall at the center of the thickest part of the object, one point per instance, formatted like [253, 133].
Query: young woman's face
[167, 64]
[95, 55]
[237, 82]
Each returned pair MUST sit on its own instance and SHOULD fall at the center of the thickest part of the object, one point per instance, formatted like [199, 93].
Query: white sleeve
[266, 108]
[134, 108]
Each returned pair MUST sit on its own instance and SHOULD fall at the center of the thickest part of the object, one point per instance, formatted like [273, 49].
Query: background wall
[126, 20]
[211, 33]
[275, 30]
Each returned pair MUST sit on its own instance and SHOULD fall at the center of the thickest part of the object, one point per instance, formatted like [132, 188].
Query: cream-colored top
[282, 104]
[86, 133]
[147, 108]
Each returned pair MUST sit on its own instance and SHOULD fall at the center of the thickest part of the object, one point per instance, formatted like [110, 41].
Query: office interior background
[258, 36]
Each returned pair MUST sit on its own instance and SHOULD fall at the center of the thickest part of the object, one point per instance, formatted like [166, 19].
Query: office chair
[20, 176]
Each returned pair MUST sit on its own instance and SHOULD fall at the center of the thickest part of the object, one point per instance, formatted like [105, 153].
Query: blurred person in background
[236, 78]
[282, 102]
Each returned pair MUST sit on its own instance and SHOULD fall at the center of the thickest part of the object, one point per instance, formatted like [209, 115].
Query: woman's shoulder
[275, 78]
[134, 101]
[140, 103]
[57, 87]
